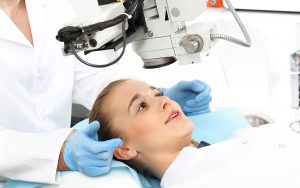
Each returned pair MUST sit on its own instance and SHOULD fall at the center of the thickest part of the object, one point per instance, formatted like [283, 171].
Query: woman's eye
[141, 106]
[158, 94]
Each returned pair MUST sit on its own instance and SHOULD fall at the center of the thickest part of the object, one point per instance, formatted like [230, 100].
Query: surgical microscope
[157, 29]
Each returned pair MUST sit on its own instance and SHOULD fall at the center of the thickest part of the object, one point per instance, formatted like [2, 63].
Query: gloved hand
[81, 126]
[193, 96]
[86, 154]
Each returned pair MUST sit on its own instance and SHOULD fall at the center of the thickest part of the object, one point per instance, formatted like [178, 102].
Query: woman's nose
[164, 102]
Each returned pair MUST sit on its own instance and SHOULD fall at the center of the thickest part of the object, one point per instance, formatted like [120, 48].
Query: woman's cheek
[145, 124]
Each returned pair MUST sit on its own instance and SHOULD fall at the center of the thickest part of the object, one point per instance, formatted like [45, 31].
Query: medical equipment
[215, 3]
[255, 118]
[157, 29]
[295, 79]
[295, 91]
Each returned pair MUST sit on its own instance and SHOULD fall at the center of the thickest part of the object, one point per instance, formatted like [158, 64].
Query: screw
[93, 42]
[150, 34]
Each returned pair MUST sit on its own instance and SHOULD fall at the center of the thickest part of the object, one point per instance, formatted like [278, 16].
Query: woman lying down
[157, 140]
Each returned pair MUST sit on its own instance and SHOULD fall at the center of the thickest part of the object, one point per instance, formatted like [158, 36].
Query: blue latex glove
[84, 153]
[193, 96]
[81, 126]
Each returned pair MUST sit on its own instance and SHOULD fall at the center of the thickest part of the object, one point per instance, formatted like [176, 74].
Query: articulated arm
[157, 29]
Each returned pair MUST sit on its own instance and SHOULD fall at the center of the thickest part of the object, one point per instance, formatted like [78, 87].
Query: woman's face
[147, 120]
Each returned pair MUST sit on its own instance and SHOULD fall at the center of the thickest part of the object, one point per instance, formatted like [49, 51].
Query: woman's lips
[174, 115]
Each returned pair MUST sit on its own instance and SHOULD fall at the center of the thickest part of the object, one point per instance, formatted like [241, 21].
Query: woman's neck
[16, 10]
[159, 162]
[10, 7]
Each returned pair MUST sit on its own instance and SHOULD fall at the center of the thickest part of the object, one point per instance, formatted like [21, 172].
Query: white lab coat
[37, 87]
[264, 157]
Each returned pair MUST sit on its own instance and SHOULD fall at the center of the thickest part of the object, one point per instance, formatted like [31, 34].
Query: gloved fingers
[94, 161]
[95, 171]
[102, 163]
[87, 128]
[109, 145]
[194, 86]
[95, 156]
[201, 82]
[193, 103]
[204, 94]
[81, 125]
[198, 112]
[105, 155]
[194, 109]
[92, 129]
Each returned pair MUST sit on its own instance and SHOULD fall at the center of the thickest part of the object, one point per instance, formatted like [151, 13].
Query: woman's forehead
[128, 89]
[121, 97]
[134, 86]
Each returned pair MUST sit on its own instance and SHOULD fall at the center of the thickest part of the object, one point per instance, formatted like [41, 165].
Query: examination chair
[212, 127]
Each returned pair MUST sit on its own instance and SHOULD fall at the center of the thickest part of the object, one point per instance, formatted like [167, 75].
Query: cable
[72, 47]
[133, 8]
[67, 34]
[230, 38]
[71, 33]
[109, 23]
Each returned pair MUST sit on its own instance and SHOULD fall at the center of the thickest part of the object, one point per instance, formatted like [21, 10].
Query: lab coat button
[281, 145]
[40, 71]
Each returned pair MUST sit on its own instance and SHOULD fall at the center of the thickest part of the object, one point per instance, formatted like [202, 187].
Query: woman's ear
[125, 153]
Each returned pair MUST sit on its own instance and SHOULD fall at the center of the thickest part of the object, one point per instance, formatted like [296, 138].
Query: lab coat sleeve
[31, 157]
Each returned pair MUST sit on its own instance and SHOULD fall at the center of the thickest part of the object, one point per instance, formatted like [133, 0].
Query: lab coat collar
[36, 14]
[9, 31]
[36, 10]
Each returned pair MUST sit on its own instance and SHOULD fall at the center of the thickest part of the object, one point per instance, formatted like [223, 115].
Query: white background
[276, 5]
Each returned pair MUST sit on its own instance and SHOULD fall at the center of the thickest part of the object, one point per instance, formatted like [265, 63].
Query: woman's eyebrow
[153, 88]
[135, 97]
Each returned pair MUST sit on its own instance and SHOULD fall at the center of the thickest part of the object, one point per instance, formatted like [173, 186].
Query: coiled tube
[246, 43]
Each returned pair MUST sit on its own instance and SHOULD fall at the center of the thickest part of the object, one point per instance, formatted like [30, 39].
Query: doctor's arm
[31, 157]
[61, 163]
